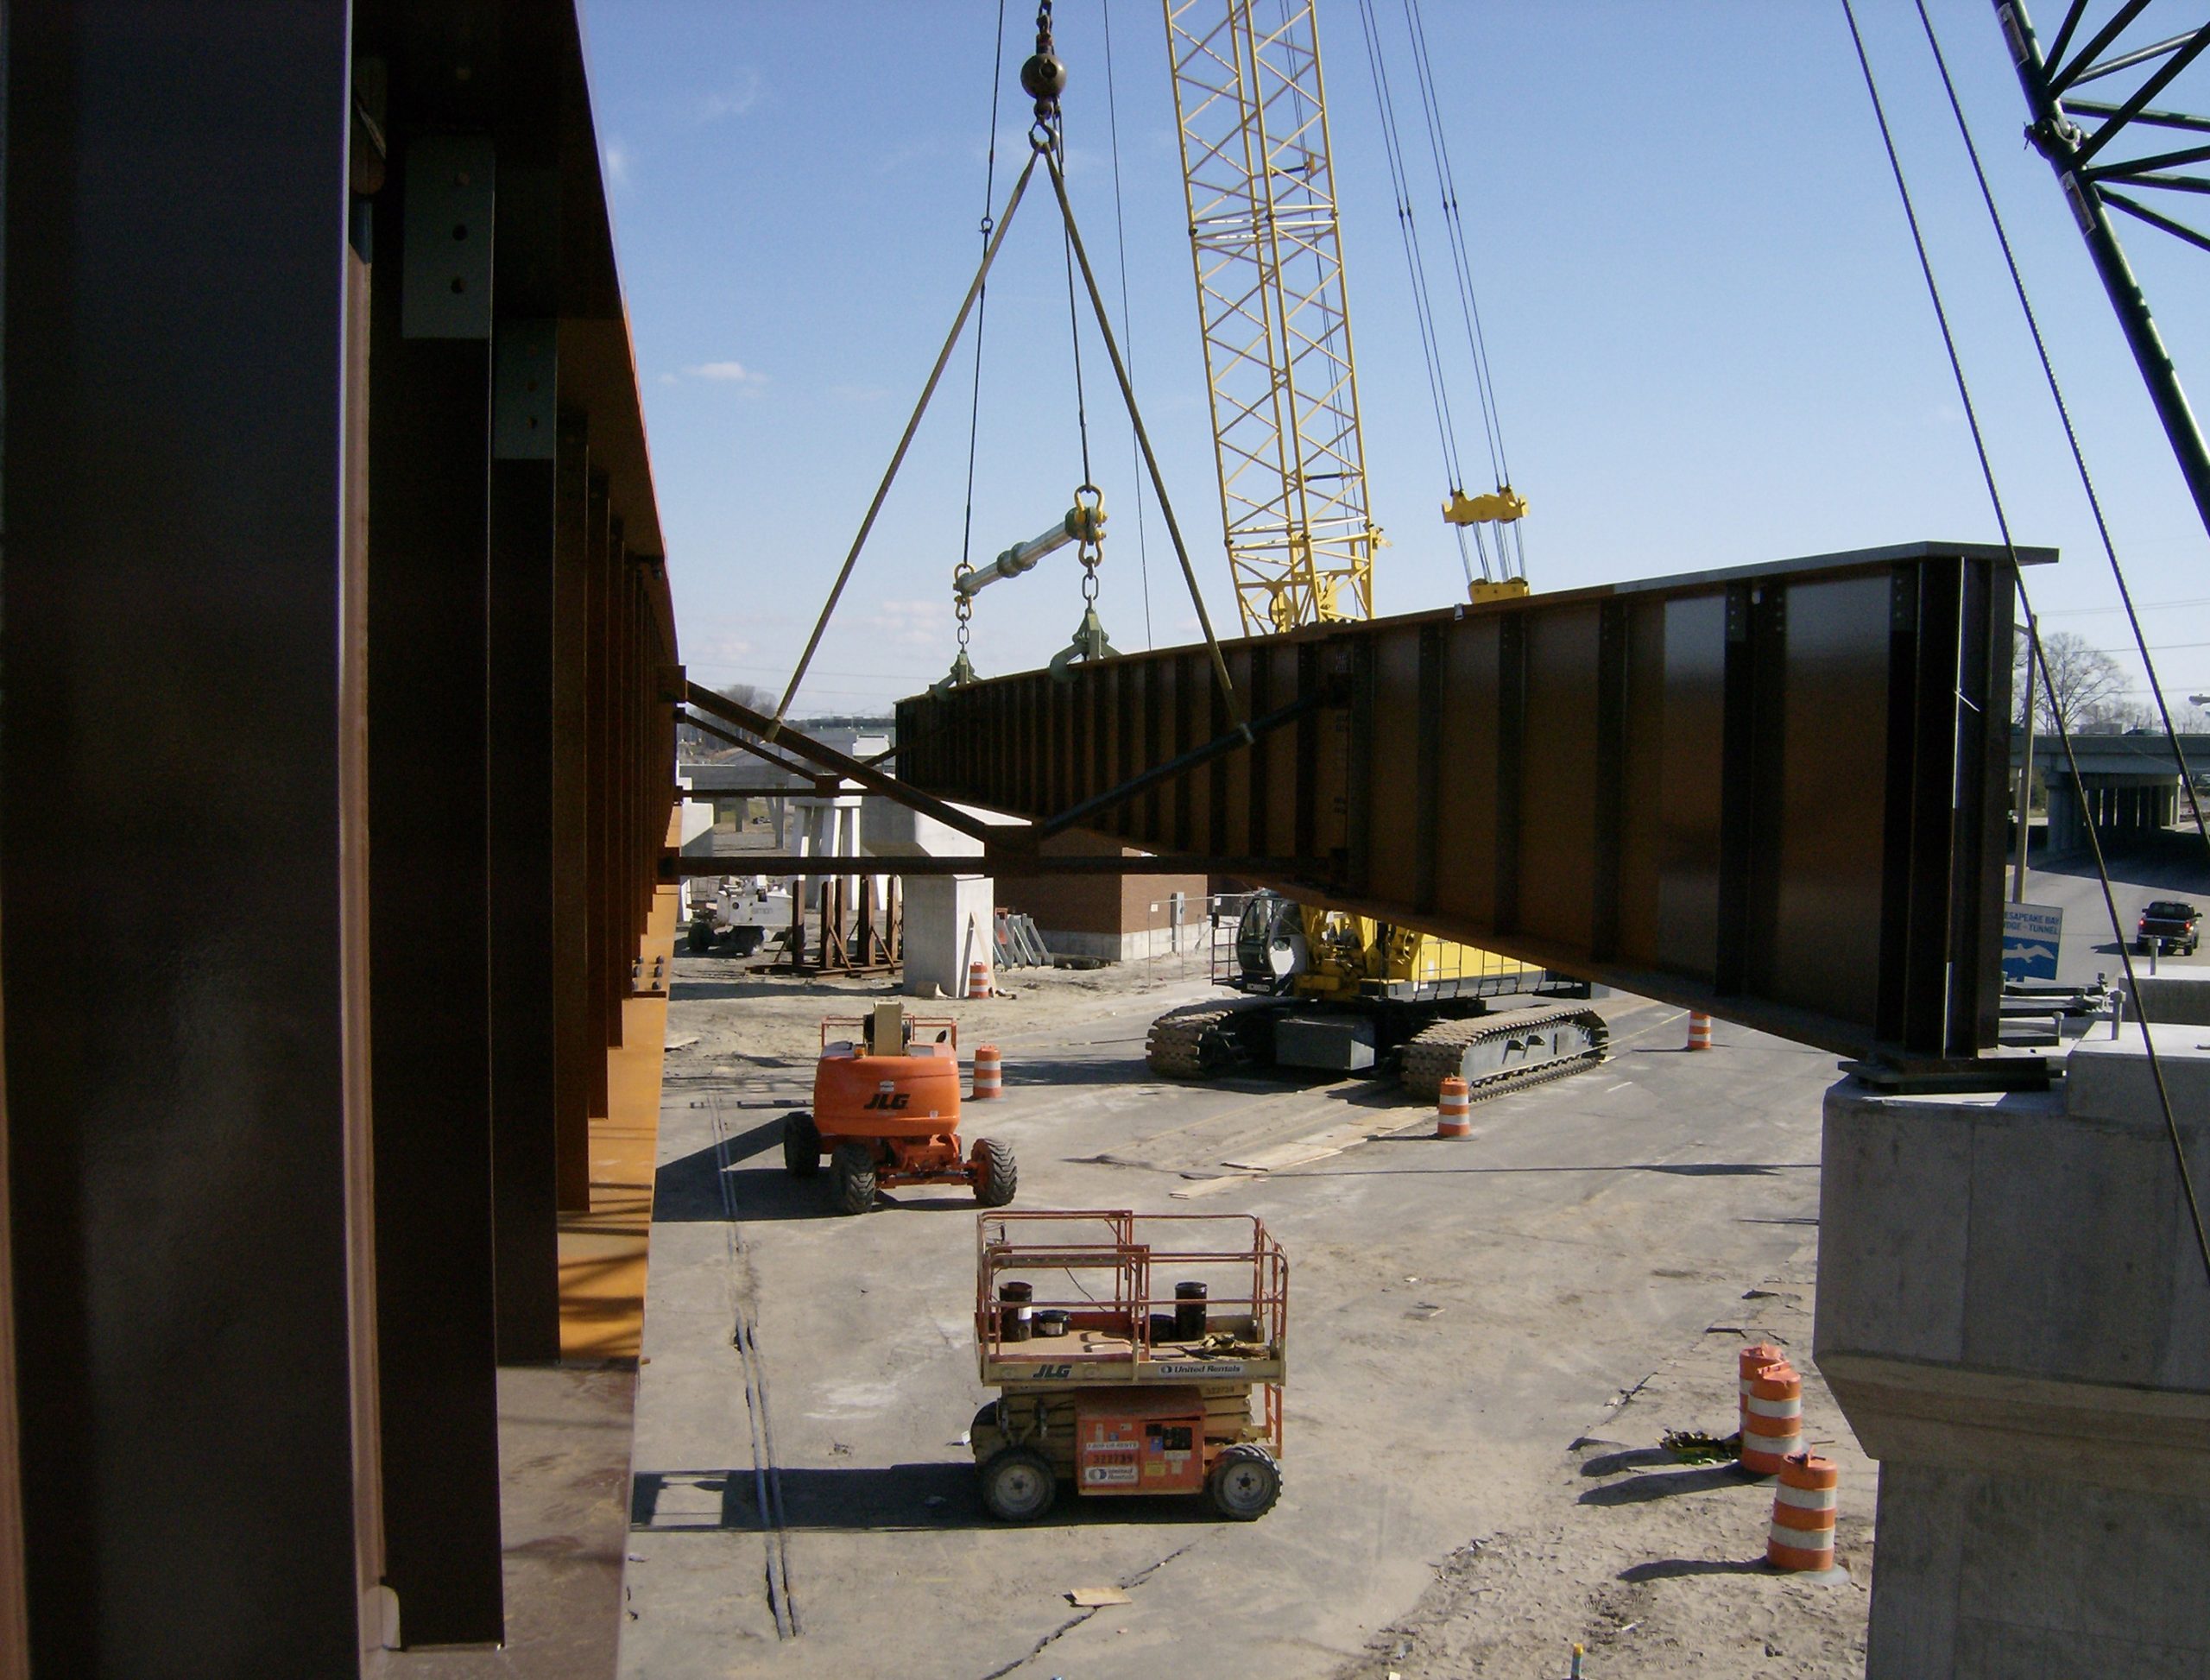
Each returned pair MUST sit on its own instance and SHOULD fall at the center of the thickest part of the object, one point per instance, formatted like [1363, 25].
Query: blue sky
[1710, 339]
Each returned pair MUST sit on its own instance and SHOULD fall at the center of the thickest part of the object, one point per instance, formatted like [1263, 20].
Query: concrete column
[948, 924]
[2015, 1317]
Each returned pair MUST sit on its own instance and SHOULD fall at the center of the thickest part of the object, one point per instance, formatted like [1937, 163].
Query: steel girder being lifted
[1775, 792]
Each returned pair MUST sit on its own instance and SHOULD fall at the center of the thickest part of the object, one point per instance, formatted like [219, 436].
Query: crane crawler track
[1201, 1042]
[1494, 1054]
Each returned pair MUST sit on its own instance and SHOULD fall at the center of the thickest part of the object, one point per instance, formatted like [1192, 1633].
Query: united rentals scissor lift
[1133, 1355]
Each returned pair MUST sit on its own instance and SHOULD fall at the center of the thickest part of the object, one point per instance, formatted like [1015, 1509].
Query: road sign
[2032, 935]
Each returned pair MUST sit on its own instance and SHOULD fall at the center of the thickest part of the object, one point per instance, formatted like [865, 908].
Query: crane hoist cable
[1423, 310]
[963, 668]
[1468, 304]
[1043, 77]
[2064, 414]
[2033, 632]
[1504, 570]
[1046, 78]
[1120, 244]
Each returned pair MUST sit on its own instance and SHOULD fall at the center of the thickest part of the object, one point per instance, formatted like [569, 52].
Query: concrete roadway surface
[1462, 1313]
[2172, 867]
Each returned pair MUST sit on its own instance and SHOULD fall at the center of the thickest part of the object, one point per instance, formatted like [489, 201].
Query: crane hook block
[1043, 78]
[1505, 505]
[1084, 522]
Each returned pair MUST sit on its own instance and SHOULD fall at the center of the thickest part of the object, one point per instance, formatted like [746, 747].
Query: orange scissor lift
[1133, 1355]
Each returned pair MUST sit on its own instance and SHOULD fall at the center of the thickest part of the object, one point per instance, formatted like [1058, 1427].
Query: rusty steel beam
[758, 750]
[1774, 792]
[858, 770]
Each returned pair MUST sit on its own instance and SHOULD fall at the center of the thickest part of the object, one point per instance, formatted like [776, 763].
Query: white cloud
[912, 623]
[728, 373]
[669, 379]
[733, 101]
[619, 160]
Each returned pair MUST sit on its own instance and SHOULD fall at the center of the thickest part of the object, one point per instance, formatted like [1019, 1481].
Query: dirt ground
[734, 1015]
[1654, 1566]
[1491, 1348]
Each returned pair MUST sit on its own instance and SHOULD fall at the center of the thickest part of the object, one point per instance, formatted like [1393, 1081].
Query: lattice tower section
[1264, 239]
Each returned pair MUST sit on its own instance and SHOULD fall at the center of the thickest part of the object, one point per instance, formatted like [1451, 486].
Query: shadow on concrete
[1674, 1569]
[1678, 1168]
[1627, 1458]
[680, 990]
[872, 1500]
[1639, 1490]
[694, 1187]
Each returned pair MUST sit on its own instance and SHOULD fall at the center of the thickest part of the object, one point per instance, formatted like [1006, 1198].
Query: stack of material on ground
[1019, 945]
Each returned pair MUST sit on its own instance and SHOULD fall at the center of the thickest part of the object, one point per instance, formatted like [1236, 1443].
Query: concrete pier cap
[2015, 1317]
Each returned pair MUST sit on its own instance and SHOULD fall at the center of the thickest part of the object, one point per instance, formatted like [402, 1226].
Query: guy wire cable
[2033, 631]
[1127, 329]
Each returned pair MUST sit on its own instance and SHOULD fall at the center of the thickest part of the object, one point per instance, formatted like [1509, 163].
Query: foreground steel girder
[1775, 792]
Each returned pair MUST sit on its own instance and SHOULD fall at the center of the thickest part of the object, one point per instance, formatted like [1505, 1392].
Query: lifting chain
[1087, 522]
[1044, 79]
[1090, 520]
[963, 609]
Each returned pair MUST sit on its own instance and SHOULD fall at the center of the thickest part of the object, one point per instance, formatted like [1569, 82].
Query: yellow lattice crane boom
[1263, 236]
[1335, 990]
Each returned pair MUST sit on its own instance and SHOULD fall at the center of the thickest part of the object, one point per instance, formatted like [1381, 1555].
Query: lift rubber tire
[746, 938]
[997, 1175]
[1245, 1482]
[1019, 1485]
[985, 1435]
[851, 1168]
[801, 1145]
[700, 938]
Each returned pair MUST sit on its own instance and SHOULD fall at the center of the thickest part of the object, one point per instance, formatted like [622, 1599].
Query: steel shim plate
[1774, 792]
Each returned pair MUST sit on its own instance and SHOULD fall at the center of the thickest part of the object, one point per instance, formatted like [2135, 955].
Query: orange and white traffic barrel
[1773, 1426]
[1453, 1110]
[1698, 1030]
[1802, 1535]
[978, 980]
[1751, 1362]
[989, 1073]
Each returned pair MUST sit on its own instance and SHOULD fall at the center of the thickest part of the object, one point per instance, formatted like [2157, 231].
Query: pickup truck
[2169, 924]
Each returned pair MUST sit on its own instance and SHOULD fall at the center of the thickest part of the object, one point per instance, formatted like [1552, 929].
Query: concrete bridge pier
[2014, 1316]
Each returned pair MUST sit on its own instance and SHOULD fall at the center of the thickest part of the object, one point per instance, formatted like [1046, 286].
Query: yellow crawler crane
[1330, 991]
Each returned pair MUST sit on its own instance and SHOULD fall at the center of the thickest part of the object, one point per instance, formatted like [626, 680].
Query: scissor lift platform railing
[1126, 1336]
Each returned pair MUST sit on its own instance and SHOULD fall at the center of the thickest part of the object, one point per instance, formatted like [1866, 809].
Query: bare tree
[2090, 688]
[745, 694]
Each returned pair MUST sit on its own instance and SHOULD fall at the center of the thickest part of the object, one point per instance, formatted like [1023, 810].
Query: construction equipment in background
[737, 916]
[1145, 1386]
[1341, 992]
[1369, 996]
[886, 1112]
